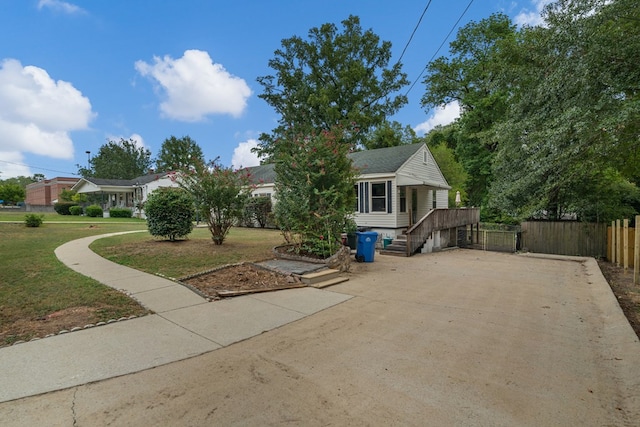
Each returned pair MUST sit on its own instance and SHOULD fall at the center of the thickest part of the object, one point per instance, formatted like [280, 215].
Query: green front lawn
[35, 286]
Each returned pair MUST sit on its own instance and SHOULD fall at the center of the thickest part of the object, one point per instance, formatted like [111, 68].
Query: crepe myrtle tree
[314, 184]
[220, 194]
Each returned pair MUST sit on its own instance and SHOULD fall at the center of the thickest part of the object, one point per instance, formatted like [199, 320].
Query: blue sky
[75, 74]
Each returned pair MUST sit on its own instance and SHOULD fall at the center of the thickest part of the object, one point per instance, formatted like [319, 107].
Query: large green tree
[178, 154]
[336, 77]
[570, 142]
[390, 134]
[442, 142]
[10, 194]
[119, 160]
[469, 76]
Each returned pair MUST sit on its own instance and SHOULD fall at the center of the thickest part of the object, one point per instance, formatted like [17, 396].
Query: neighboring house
[43, 194]
[396, 188]
[124, 193]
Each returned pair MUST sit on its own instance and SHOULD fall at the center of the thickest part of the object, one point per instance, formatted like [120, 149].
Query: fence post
[625, 246]
[612, 258]
[618, 249]
[636, 255]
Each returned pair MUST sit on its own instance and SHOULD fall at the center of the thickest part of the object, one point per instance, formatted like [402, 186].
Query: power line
[414, 31]
[36, 167]
[440, 47]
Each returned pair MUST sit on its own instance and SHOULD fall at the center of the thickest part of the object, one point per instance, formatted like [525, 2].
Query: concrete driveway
[465, 338]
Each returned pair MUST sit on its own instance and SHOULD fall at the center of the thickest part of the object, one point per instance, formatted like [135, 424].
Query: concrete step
[319, 276]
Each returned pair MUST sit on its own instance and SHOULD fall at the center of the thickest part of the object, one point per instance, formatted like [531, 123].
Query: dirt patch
[73, 318]
[626, 292]
[240, 279]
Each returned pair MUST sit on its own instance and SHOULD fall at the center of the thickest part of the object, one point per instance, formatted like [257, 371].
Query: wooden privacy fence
[565, 238]
[623, 246]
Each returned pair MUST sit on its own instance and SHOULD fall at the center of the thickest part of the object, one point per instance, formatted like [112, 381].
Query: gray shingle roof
[381, 160]
[141, 180]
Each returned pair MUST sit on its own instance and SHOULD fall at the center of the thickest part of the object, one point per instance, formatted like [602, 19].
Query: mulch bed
[240, 280]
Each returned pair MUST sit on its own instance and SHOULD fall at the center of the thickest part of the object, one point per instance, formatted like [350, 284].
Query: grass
[34, 284]
[13, 216]
[193, 255]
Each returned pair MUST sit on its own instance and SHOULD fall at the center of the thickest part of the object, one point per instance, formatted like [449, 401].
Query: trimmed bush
[170, 213]
[94, 211]
[33, 220]
[120, 213]
[62, 208]
[75, 210]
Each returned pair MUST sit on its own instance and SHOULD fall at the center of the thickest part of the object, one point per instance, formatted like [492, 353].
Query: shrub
[120, 213]
[258, 211]
[62, 208]
[33, 220]
[75, 210]
[170, 213]
[94, 211]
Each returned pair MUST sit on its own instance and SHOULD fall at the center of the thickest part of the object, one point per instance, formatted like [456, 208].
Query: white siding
[442, 199]
[379, 219]
[415, 169]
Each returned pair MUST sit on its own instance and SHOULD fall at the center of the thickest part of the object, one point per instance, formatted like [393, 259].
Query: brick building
[47, 191]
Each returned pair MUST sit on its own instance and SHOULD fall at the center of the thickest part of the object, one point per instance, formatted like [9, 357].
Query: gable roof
[383, 160]
[141, 180]
[379, 160]
[129, 183]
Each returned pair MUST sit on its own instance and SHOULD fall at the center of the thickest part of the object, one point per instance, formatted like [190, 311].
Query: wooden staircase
[323, 278]
[435, 220]
[398, 247]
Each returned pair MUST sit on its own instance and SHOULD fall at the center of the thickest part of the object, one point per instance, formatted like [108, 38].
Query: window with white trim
[378, 197]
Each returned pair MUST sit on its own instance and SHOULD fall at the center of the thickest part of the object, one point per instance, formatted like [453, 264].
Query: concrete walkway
[184, 325]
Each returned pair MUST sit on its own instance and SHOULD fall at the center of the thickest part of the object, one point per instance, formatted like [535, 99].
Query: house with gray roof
[124, 193]
[397, 187]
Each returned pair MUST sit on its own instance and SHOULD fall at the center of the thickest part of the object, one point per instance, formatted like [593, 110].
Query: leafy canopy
[119, 160]
[337, 77]
[570, 139]
[469, 76]
[178, 154]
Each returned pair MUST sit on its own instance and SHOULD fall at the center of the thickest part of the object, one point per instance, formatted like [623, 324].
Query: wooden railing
[439, 219]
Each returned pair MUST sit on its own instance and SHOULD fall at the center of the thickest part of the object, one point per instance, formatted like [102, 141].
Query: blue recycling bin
[366, 245]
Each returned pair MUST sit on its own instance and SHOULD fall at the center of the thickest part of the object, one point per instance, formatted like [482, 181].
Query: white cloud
[60, 6]
[195, 87]
[243, 157]
[441, 116]
[135, 137]
[37, 113]
[532, 18]
[11, 165]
